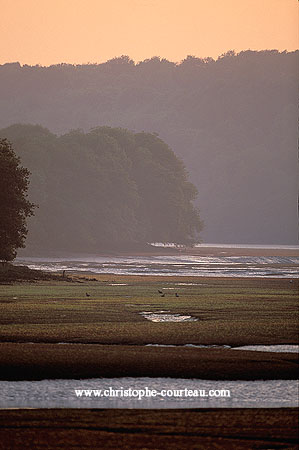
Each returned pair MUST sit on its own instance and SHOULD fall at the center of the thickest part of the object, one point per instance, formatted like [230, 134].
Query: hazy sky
[79, 31]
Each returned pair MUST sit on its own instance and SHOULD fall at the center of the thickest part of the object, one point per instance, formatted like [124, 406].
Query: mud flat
[151, 429]
[107, 334]
[43, 361]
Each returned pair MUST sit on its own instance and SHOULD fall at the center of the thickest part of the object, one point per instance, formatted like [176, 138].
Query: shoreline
[206, 250]
[94, 265]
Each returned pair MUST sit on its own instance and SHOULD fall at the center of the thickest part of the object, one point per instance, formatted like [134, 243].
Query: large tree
[14, 204]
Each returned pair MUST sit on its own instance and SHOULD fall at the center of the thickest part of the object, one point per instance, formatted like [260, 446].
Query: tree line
[108, 189]
[231, 120]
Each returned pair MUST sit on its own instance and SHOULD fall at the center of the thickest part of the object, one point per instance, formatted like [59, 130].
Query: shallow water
[61, 393]
[184, 265]
[282, 348]
[189, 345]
[163, 316]
[229, 246]
[285, 348]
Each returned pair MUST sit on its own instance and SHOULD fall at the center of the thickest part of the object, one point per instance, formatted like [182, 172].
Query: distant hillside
[106, 190]
[232, 121]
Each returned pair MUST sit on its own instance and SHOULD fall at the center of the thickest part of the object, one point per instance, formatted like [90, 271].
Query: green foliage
[109, 189]
[14, 205]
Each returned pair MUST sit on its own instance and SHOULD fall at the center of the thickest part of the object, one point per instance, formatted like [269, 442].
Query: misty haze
[149, 224]
[231, 121]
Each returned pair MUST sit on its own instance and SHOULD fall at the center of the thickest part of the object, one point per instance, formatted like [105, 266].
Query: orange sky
[79, 31]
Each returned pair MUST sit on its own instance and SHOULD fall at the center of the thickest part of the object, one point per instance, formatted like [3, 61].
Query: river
[170, 393]
[177, 265]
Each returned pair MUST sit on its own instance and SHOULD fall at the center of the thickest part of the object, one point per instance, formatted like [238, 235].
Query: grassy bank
[10, 273]
[230, 311]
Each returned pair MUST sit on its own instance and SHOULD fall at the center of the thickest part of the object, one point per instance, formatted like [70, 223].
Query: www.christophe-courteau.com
[152, 393]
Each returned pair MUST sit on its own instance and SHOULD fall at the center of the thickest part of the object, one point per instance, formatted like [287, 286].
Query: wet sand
[71, 429]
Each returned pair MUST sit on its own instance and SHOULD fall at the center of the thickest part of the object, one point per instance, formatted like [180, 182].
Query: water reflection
[282, 348]
[285, 348]
[162, 317]
[184, 265]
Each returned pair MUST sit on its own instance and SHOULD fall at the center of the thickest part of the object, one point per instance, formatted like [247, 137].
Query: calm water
[184, 265]
[61, 393]
[280, 348]
[164, 316]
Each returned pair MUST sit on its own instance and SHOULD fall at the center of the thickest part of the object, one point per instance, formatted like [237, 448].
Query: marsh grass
[230, 311]
[106, 332]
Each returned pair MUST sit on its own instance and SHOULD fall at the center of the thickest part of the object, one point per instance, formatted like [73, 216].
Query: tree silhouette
[14, 205]
[108, 189]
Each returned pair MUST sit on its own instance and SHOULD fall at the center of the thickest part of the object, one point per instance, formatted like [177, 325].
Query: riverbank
[149, 429]
[10, 273]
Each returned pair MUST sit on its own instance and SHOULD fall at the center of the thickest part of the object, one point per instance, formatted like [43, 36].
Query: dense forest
[231, 120]
[109, 189]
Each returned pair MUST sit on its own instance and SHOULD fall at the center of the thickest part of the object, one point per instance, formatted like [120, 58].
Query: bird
[176, 294]
[163, 295]
[87, 294]
[160, 292]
